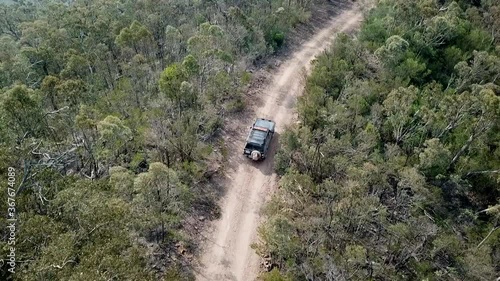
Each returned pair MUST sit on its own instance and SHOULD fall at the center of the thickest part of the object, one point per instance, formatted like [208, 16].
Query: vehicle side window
[268, 138]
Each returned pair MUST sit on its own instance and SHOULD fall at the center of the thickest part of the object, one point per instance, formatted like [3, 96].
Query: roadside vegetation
[109, 112]
[393, 171]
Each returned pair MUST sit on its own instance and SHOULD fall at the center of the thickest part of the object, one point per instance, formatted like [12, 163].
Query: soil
[226, 252]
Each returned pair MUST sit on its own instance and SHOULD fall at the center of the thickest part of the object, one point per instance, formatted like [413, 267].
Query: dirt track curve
[227, 254]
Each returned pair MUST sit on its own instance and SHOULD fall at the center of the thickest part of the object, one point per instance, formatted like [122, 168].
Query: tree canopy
[392, 172]
[110, 112]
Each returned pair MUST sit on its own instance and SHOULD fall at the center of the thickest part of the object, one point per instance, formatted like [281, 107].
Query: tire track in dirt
[227, 254]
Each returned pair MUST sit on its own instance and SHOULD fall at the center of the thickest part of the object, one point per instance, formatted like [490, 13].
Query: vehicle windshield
[262, 123]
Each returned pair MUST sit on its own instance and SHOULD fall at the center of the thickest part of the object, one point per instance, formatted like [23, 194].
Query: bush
[278, 38]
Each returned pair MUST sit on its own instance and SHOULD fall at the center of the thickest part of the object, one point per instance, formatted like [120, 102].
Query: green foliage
[81, 234]
[121, 180]
[106, 105]
[132, 36]
[191, 65]
[114, 136]
[161, 196]
[278, 38]
[392, 173]
[171, 79]
[273, 275]
[434, 158]
[22, 110]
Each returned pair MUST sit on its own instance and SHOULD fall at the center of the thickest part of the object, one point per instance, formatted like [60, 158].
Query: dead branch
[487, 236]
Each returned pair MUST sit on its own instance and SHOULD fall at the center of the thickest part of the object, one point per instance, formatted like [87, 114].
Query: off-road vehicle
[259, 139]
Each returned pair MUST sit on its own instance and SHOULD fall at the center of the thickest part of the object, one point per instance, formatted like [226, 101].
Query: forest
[110, 114]
[392, 172]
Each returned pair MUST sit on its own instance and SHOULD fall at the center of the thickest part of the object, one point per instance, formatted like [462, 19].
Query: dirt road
[227, 253]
